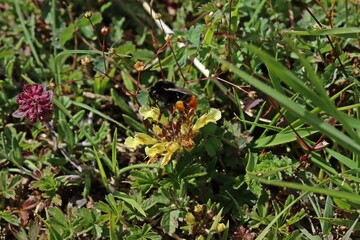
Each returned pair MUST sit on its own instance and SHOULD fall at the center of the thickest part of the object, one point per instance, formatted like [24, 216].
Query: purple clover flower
[35, 103]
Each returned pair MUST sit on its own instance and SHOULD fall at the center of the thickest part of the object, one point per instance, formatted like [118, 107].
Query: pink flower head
[35, 103]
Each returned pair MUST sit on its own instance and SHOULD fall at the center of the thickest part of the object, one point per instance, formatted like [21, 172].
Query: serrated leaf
[193, 35]
[207, 7]
[170, 221]
[66, 34]
[145, 180]
[8, 217]
[58, 217]
[143, 55]
[126, 48]
[131, 201]
[212, 145]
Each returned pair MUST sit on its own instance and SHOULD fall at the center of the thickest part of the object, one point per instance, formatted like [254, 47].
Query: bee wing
[180, 90]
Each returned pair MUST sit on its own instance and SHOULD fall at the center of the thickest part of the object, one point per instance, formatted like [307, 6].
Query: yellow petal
[155, 150]
[212, 116]
[171, 149]
[184, 129]
[139, 139]
[157, 130]
[149, 113]
[153, 113]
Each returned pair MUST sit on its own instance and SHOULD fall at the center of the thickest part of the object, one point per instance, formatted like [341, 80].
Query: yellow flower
[212, 116]
[157, 130]
[165, 149]
[171, 149]
[139, 139]
[169, 136]
[153, 113]
[155, 150]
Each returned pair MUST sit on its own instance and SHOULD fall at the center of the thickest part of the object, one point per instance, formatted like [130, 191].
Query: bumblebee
[172, 96]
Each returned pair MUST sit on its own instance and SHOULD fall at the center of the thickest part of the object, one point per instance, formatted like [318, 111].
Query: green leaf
[131, 201]
[346, 32]
[214, 225]
[209, 34]
[328, 213]
[57, 217]
[170, 221]
[8, 185]
[101, 170]
[77, 117]
[66, 133]
[320, 190]
[282, 138]
[297, 110]
[8, 217]
[144, 179]
[95, 19]
[213, 145]
[128, 80]
[114, 160]
[66, 34]
[351, 229]
[125, 49]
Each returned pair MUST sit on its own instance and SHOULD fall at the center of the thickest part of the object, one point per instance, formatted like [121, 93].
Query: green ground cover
[179, 119]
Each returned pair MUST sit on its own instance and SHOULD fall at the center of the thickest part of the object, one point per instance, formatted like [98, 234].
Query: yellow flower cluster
[169, 136]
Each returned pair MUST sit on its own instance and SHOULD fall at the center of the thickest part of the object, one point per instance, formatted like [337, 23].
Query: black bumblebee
[172, 96]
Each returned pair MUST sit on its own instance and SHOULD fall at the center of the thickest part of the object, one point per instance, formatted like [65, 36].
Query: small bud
[180, 39]
[220, 227]
[222, 50]
[157, 16]
[88, 14]
[168, 38]
[139, 66]
[111, 51]
[105, 30]
[52, 85]
[198, 208]
[219, 5]
[201, 237]
[208, 18]
[189, 218]
[85, 61]
[252, 94]
[222, 56]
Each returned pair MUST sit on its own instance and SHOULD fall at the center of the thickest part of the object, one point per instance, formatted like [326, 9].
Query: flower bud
[139, 66]
[88, 14]
[105, 30]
